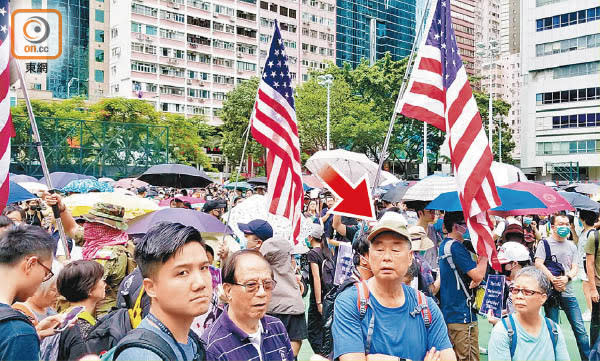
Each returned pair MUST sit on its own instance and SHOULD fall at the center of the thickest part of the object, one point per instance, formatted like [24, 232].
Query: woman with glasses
[43, 302]
[526, 334]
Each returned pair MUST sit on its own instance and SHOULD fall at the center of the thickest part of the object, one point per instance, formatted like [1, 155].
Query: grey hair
[542, 281]
[56, 268]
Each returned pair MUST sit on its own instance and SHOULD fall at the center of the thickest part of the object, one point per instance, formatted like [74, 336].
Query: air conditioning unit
[189, 81]
[148, 38]
[231, 21]
[215, 16]
[239, 55]
[201, 84]
[140, 37]
[175, 6]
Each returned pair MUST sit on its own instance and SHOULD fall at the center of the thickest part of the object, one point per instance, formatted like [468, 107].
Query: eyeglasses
[253, 286]
[49, 273]
[515, 291]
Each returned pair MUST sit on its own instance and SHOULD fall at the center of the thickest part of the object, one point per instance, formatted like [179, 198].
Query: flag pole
[40, 149]
[407, 73]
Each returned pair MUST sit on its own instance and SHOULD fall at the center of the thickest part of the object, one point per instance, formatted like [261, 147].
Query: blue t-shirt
[141, 354]
[453, 300]
[395, 333]
[18, 340]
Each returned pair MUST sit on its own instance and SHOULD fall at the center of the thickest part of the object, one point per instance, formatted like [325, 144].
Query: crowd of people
[407, 286]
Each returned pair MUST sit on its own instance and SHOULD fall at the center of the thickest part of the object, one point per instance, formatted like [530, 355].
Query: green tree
[500, 110]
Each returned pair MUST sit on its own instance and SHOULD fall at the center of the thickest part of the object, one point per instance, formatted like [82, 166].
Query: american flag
[6, 125]
[274, 126]
[439, 93]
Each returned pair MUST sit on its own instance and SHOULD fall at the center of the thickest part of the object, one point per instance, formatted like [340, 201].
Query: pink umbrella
[128, 183]
[191, 200]
[554, 201]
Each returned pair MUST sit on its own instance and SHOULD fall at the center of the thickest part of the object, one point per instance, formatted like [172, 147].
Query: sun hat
[419, 239]
[390, 221]
[107, 214]
[513, 252]
[316, 230]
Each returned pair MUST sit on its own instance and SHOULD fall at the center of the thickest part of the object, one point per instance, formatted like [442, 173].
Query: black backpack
[146, 339]
[328, 305]
[108, 331]
[327, 273]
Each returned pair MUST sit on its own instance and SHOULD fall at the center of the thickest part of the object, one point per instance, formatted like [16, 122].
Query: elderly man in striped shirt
[244, 331]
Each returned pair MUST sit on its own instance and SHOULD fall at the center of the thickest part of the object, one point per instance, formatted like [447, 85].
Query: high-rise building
[369, 29]
[487, 28]
[560, 101]
[185, 56]
[463, 22]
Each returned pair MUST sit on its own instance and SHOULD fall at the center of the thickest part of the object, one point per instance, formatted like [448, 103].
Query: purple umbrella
[204, 223]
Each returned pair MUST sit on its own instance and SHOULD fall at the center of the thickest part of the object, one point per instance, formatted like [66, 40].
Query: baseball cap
[392, 222]
[513, 252]
[419, 239]
[316, 230]
[213, 204]
[261, 228]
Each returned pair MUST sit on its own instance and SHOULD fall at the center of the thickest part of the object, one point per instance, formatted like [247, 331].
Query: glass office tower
[71, 69]
[367, 29]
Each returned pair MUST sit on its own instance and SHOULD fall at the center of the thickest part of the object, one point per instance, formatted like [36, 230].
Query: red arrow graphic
[353, 200]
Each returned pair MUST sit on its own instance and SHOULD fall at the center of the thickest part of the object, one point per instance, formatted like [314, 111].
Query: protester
[25, 261]
[104, 240]
[327, 217]
[33, 214]
[43, 302]
[360, 248]
[588, 219]
[142, 192]
[561, 272]
[459, 275]
[513, 233]
[244, 331]
[426, 283]
[214, 207]
[286, 300]
[14, 213]
[312, 212]
[532, 333]
[81, 283]
[593, 272]
[177, 279]
[426, 219]
[393, 327]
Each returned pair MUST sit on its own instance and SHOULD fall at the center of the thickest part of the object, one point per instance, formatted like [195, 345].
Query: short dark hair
[5, 221]
[160, 243]
[209, 249]
[25, 240]
[77, 279]
[554, 216]
[230, 267]
[14, 208]
[361, 248]
[588, 217]
[452, 218]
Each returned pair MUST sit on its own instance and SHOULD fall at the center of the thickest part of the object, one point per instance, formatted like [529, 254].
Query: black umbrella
[579, 201]
[176, 176]
[21, 178]
[61, 179]
[396, 193]
[258, 181]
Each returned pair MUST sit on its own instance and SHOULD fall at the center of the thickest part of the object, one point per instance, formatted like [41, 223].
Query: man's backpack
[555, 267]
[108, 331]
[363, 304]
[460, 284]
[10, 314]
[511, 330]
[327, 274]
[146, 339]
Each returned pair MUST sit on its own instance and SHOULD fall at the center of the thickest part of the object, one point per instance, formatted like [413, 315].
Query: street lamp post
[326, 80]
[69, 87]
[500, 121]
[489, 50]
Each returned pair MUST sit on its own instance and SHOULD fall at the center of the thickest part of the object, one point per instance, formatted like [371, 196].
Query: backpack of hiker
[511, 330]
[363, 304]
[327, 272]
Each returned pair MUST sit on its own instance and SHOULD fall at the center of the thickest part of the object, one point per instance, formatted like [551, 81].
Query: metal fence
[101, 149]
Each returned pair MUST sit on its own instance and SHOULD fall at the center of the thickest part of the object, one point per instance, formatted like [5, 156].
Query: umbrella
[243, 186]
[20, 178]
[33, 187]
[258, 181]
[61, 179]
[130, 183]
[86, 186]
[505, 174]
[388, 178]
[107, 180]
[396, 193]
[135, 206]
[176, 176]
[204, 223]
[256, 207]
[312, 181]
[352, 165]
[553, 201]
[511, 199]
[430, 187]
[17, 193]
[190, 200]
[579, 201]
[585, 188]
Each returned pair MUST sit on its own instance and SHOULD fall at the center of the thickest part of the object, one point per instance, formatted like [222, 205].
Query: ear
[227, 290]
[27, 264]
[411, 256]
[149, 287]
[259, 243]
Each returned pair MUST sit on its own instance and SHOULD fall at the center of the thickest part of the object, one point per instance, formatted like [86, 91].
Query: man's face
[330, 202]
[428, 215]
[15, 217]
[252, 305]
[183, 285]
[216, 212]
[389, 256]
[253, 241]
[558, 222]
[35, 270]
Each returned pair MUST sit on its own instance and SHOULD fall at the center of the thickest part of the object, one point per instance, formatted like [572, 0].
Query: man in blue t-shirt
[398, 328]
[456, 308]
[25, 262]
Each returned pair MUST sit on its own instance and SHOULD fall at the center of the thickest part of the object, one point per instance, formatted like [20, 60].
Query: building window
[99, 36]
[143, 67]
[136, 28]
[568, 19]
[114, 32]
[150, 30]
[144, 10]
[563, 46]
[567, 96]
[99, 55]
[37, 86]
[99, 15]
[568, 71]
[570, 147]
[99, 76]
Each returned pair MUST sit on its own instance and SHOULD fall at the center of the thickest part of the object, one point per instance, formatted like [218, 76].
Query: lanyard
[166, 330]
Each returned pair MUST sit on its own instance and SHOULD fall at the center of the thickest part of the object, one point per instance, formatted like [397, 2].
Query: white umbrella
[352, 165]
[107, 180]
[388, 178]
[506, 174]
[430, 187]
[256, 207]
[33, 187]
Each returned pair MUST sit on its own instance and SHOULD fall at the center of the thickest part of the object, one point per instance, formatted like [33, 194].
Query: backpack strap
[459, 282]
[363, 303]
[10, 314]
[547, 250]
[135, 313]
[148, 340]
[422, 308]
[596, 242]
[553, 330]
[512, 334]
